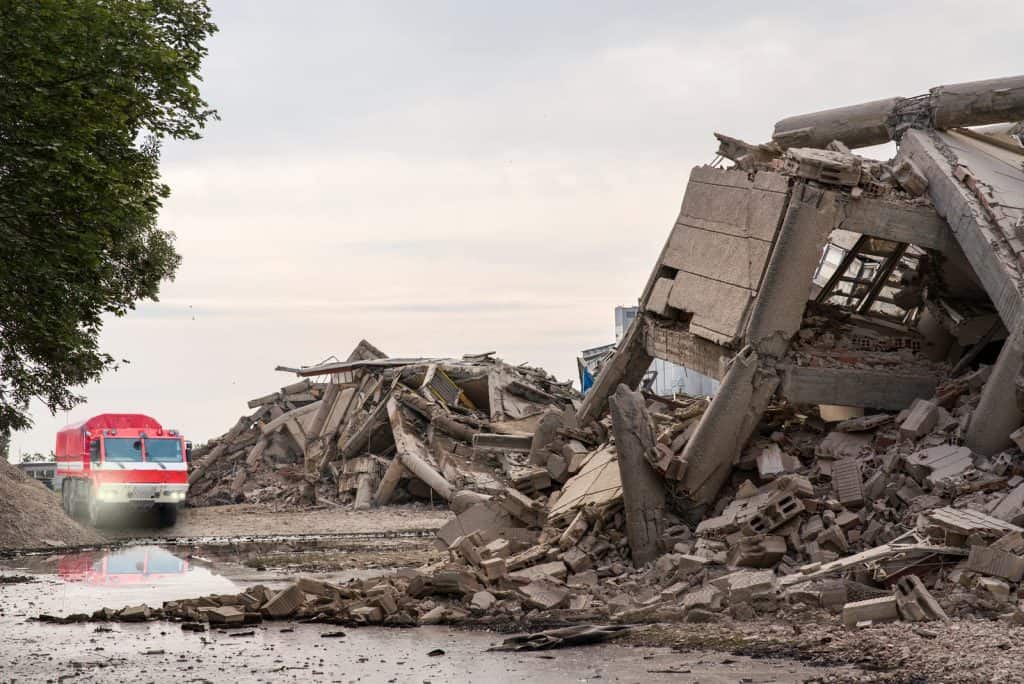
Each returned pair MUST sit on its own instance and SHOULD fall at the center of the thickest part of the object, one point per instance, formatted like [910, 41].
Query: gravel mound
[31, 516]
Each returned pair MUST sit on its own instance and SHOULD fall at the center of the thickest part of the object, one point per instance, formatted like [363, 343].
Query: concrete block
[482, 601]
[285, 603]
[761, 551]
[847, 482]
[552, 570]
[707, 597]
[884, 609]
[574, 532]
[931, 466]
[915, 601]
[225, 615]
[577, 560]
[370, 615]
[657, 299]
[922, 418]
[521, 507]
[494, 568]
[777, 511]
[986, 560]
[544, 594]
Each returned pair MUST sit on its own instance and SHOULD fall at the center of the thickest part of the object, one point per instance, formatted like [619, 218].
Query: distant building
[44, 471]
[663, 378]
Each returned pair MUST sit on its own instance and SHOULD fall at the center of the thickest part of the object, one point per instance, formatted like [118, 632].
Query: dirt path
[244, 520]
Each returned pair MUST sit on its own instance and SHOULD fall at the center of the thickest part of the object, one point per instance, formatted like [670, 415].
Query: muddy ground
[223, 550]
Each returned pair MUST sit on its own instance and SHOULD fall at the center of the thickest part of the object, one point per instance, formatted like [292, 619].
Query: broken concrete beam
[883, 609]
[643, 493]
[725, 427]
[386, 487]
[823, 166]
[503, 442]
[366, 487]
[860, 125]
[627, 366]
[931, 466]
[976, 103]
[413, 454]
[922, 418]
[986, 560]
[862, 387]
[264, 400]
[285, 418]
[998, 414]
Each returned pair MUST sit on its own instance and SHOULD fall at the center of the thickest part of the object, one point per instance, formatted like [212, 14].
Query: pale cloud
[447, 177]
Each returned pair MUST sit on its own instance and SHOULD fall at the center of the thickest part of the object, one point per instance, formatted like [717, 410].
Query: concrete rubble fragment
[862, 455]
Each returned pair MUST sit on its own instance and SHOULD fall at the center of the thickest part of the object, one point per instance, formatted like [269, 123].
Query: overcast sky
[445, 178]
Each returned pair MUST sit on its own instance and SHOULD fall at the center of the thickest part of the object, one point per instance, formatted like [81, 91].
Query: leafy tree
[89, 89]
[38, 457]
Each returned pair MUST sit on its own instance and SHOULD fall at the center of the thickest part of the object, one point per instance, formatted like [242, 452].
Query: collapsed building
[863, 449]
[382, 430]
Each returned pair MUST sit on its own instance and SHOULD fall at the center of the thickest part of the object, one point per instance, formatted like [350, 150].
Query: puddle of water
[86, 581]
[274, 651]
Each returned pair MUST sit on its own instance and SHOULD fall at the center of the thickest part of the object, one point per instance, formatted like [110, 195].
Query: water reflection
[135, 565]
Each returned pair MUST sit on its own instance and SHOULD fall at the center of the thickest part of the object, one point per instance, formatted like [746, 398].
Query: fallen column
[751, 381]
[974, 103]
[411, 453]
[998, 413]
[643, 493]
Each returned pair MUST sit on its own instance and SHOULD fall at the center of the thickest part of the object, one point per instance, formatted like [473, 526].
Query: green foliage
[88, 91]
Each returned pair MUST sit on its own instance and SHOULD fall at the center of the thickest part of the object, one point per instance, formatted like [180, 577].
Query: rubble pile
[862, 455]
[383, 431]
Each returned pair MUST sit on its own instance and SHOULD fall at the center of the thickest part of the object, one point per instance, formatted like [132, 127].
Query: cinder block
[986, 560]
[848, 483]
[884, 609]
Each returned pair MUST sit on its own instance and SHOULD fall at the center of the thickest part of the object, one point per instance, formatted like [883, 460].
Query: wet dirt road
[31, 651]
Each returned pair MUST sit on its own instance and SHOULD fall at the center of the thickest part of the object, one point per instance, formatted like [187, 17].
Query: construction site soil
[31, 517]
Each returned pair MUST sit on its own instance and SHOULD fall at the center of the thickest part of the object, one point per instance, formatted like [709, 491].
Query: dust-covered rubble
[860, 463]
